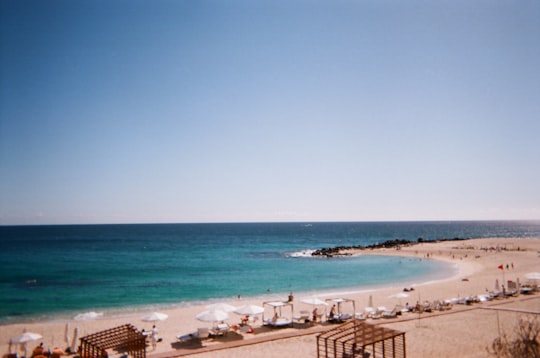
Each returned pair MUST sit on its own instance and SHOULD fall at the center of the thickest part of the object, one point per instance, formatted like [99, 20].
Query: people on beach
[291, 297]
[315, 313]
[39, 350]
[245, 320]
[332, 312]
[154, 341]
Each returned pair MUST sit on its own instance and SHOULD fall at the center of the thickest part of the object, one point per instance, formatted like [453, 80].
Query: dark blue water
[48, 270]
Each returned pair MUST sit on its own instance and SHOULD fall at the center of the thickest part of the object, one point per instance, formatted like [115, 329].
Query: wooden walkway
[197, 347]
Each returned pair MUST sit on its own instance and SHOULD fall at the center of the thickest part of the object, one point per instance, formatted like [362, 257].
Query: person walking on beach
[315, 313]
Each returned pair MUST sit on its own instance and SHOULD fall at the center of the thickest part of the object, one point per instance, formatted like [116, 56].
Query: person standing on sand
[332, 312]
[154, 341]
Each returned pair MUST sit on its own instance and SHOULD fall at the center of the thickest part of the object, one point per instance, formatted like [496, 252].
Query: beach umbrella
[87, 316]
[313, 301]
[399, 296]
[497, 288]
[74, 341]
[533, 276]
[249, 310]
[225, 307]
[66, 334]
[26, 337]
[212, 316]
[154, 317]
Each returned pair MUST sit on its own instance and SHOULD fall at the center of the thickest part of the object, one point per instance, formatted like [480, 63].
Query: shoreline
[476, 273]
[130, 310]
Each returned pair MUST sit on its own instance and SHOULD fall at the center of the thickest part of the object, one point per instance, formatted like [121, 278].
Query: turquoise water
[51, 270]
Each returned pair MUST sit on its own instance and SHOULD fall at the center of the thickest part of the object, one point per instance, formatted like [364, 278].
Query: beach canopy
[313, 301]
[277, 303]
[212, 316]
[221, 307]
[341, 300]
[249, 310]
[154, 316]
[26, 337]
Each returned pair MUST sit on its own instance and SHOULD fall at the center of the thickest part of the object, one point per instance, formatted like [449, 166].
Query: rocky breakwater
[397, 244]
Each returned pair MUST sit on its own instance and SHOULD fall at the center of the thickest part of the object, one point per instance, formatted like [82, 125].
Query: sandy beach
[465, 330]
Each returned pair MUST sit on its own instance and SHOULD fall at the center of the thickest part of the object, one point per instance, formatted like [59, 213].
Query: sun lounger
[221, 329]
[280, 322]
[302, 317]
[390, 314]
[370, 311]
[202, 333]
[360, 316]
[186, 337]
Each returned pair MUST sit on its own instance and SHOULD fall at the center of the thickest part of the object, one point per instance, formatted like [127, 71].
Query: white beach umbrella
[154, 317]
[249, 310]
[225, 307]
[26, 337]
[399, 296]
[313, 301]
[533, 276]
[74, 341]
[66, 335]
[212, 316]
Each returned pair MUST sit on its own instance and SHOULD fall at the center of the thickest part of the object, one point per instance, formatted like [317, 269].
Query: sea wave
[303, 253]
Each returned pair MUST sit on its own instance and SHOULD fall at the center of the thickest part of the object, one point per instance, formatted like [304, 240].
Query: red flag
[501, 267]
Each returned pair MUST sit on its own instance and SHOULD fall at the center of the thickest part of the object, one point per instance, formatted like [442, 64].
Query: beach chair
[370, 312]
[203, 333]
[390, 314]
[222, 329]
[360, 316]
[303, 317]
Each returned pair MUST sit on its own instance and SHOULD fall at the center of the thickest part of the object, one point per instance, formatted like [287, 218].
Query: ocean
[56, 271]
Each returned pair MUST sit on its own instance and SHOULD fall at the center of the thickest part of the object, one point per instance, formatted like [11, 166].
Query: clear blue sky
[216, 111]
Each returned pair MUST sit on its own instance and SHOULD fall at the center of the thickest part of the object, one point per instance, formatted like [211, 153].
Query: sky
[257, 111]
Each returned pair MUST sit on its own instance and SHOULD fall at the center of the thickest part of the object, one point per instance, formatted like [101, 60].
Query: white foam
[303, 253]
